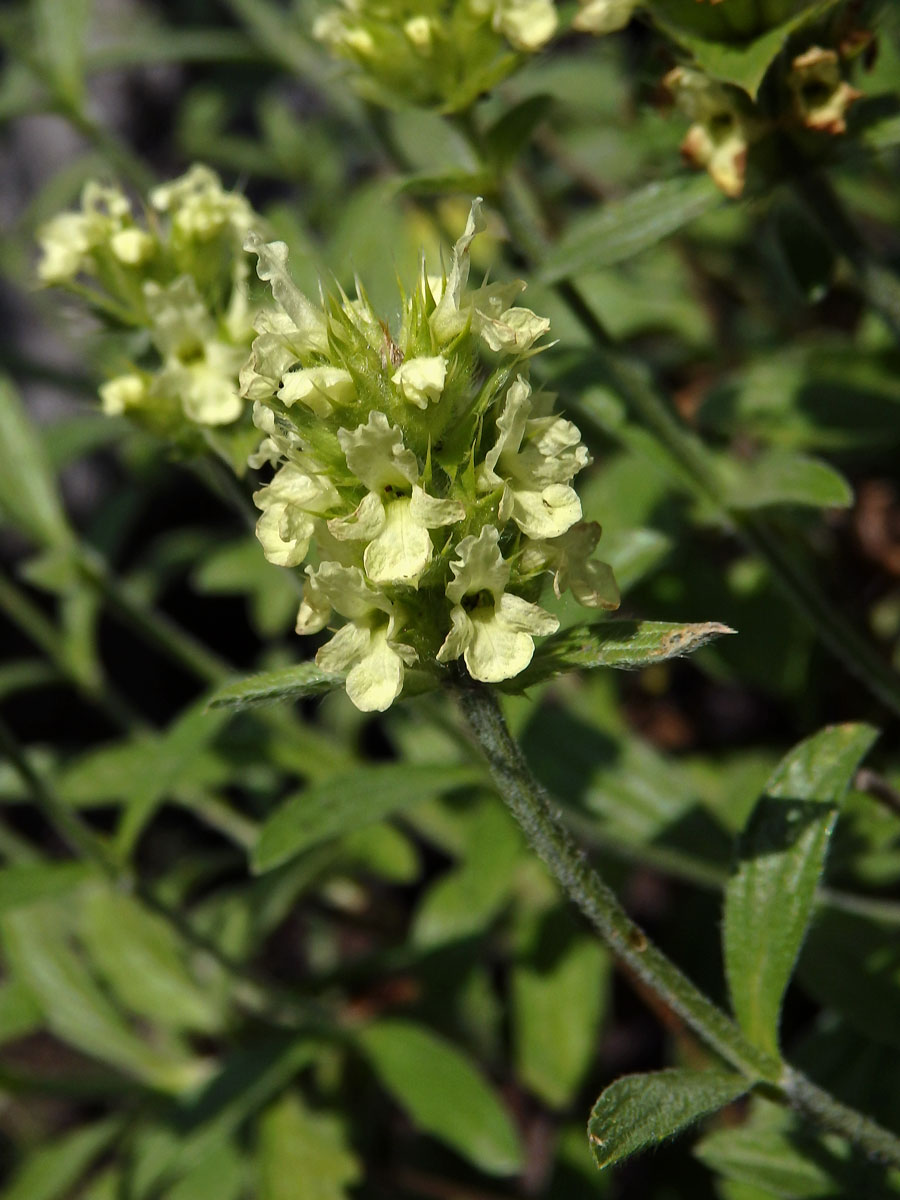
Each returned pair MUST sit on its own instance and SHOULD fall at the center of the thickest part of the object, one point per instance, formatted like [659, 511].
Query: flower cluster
[434, 53]
[175, 283]
[424, 480]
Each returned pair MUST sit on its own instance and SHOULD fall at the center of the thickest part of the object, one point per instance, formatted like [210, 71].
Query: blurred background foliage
[307, 954]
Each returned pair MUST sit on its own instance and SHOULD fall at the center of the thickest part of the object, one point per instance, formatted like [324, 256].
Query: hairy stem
[538, 817]
[536, 813]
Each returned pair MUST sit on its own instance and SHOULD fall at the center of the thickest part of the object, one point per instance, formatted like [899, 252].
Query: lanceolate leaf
[781, 855]
[619, 229]
[291, 683]
[640, 1110]
[443, 1093]
[349, 802]
[52, 1169]
[781, 477]
[622, 644]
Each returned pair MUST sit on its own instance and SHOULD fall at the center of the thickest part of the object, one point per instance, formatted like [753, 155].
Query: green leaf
[74, 1005]
[220, 1174]
[641, 1110]
[620, 229]
[735, 45]
[443, 1093]
[141, 959]
[465, 900]
[174, 755]
[20, 1013]
[25, 883]
[60, 33]
[620, 644]
[345, 803]
[779, 477]
[28, 495]
[201, 1126]
[442, 183]
[766, 1153]
[558, 999]
[290, 683]
[511, 132]
[781, 854]
[303, 1155]
[52, 1170]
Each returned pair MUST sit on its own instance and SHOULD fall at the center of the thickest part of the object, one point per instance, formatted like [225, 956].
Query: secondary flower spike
[429, 485]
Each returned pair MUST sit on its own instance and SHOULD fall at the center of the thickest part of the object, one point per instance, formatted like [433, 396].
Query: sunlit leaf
[781, 855]
[621, 644]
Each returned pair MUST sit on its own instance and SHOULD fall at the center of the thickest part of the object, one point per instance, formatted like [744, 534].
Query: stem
[536, 813]
[836, 1117]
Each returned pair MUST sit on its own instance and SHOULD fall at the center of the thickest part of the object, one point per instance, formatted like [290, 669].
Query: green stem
[830, 1114]
[536, 813]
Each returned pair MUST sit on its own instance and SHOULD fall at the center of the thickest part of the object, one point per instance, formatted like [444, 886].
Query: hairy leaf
[781, 854]
[621, 644]
[621, 228]
[347, 802]
[640, 1110]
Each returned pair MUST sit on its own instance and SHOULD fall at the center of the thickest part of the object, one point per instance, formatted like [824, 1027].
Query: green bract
[426, 481]
[181, 278]
[434, 53]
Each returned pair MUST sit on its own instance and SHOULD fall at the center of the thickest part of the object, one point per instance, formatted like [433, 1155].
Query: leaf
[52, 1170]
[24, 883]
[780, 477]
[766, 1153]
[620, 644]
[442, 183]
[347, 802]
[140, 958]
[620, 229]
[28, 495]
[511, 132]
[303, 1155]
[75, 1007]
[443, 1093]
[781, 854]
[290, 683]
[641, 1110]
[247, 1080]
[558, 999]
[220, 1174]
[19, 1011]
[174, 755]
[60, 33]
[464, 901]
[740, 54]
